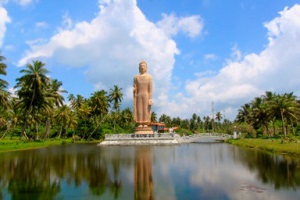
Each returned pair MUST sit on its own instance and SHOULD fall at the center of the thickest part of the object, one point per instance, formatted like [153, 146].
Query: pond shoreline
[7, 145]
[277, 146]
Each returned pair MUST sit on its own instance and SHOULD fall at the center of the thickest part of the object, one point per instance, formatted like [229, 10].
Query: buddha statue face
[143, 67]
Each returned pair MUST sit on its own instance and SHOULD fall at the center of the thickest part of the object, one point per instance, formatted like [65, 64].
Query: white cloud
[67, 22]
[171, 25]
[210, 56]
[24, 2]
[41, 24]
[4, 19]
[112, 46]
[276, 68]
[3, 2]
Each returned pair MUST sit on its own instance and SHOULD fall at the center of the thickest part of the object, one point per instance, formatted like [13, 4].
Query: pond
[188, 171]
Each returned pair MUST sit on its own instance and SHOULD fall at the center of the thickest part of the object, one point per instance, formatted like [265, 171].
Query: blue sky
[198, 51]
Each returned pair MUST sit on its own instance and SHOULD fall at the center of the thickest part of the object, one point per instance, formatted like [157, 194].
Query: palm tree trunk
[283, 127]
[274, 128]
[60, 131]
[36, 131]
[24, 134]
[97, 126]
[4, 134]
[47, 131]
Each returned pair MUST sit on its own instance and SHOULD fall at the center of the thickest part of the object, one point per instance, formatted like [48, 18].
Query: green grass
[270, 145]
[14, 144]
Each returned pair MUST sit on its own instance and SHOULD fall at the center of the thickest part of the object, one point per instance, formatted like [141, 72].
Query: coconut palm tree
[244, 113]
[116, 97]
[63, 116]
[32, 91]
[3, 84]
[287, 108]
[56, 92]
[56, 99]
[218, 116]
[153, 116]
[99, 103]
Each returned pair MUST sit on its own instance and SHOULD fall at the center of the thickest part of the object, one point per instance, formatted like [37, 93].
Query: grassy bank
[271, 145]
[17, 144]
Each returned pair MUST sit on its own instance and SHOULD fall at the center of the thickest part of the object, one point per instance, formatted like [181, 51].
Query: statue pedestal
[143, 130]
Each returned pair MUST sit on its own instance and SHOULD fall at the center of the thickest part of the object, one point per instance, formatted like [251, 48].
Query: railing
[207, 137]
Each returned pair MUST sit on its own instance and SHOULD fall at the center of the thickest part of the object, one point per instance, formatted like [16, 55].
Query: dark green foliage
[271, 114]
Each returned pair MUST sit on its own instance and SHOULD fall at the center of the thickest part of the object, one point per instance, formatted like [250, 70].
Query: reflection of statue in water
[142, 99]
[143, 181]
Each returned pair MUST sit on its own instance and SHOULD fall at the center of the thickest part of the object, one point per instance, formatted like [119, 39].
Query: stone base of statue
[140, 139]
[143, 130]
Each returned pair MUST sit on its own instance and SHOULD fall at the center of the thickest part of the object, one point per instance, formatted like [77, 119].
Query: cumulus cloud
[3, 2]
[24, 2]
[171, 25]
[244, 77]
[112, 46]
[4, 19]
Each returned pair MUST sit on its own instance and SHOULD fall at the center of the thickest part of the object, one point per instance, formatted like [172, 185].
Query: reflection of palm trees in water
[143, 181]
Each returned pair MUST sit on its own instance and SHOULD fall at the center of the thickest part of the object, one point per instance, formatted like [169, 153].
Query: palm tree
[153, 116]
[99, 103]
[268, 97]
[115, 96]
[3, 84]
[207, 123]
[56, 100]
[126, 117]
[63, 116]
[32, 92]
[56, 92]
[84, 113]
[259, 114]
[287, 108]
[244, 113]
[218, 116]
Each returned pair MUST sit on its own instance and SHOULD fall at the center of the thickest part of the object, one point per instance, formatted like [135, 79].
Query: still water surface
[189, 171]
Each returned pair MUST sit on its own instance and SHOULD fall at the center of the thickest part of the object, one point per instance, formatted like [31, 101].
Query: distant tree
[99, 103]
[287, 107]
[218, 116]
[153, 116]
[116, 97]
[166, 120]
[244, 113]
[55, 99]
[63, 117]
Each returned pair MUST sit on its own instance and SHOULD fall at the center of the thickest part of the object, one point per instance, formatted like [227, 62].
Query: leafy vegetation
[290, 145]
[271, 114]
[15, 144]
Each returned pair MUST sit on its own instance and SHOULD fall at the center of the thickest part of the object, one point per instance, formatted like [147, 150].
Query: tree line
[38, 110]
[271, 114]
